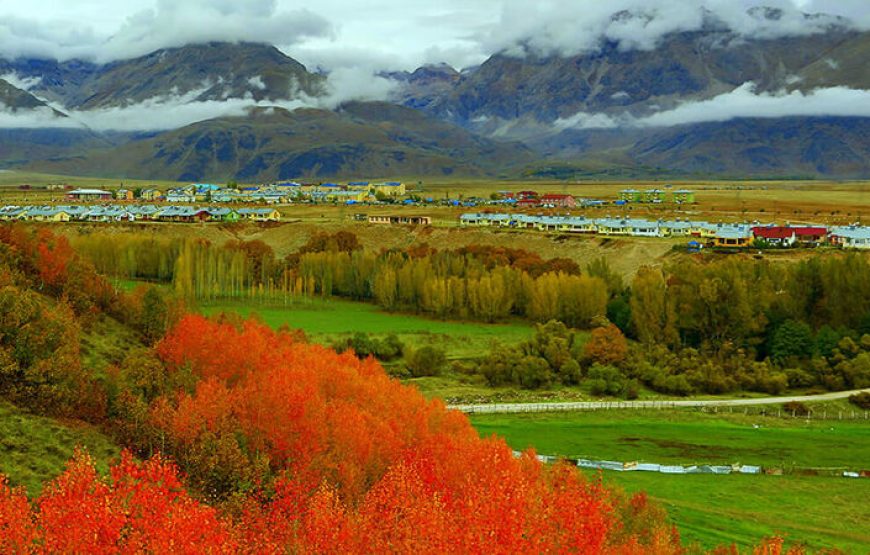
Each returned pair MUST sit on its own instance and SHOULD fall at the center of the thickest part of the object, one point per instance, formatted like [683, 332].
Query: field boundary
[502, 408]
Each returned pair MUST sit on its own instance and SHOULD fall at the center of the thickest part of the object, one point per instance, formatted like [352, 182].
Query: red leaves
[142, 508]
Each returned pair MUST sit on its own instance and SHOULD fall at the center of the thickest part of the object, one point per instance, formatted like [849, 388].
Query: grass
[35, 449]
[711, 510]
[329, 320]
[106, 341]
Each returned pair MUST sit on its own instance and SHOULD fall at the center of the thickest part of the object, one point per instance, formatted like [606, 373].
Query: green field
[35, 449]
[328, 320]
[710, 510]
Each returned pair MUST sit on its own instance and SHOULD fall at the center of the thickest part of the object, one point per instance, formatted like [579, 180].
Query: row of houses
[114, 213]
[715, 234]
[655, 196]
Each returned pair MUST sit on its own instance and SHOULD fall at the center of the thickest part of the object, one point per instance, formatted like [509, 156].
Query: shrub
[796, 408]
[861, 400]
[425, 361]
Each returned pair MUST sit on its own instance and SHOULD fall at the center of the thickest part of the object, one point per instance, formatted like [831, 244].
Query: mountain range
[264, 116]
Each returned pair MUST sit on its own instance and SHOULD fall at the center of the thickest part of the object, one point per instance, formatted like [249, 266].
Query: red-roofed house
[528, 203]
[775, 235]
[524, 195]
[562, 201]
[811, 235]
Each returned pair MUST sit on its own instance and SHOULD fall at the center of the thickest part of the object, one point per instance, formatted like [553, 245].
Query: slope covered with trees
[246, 439]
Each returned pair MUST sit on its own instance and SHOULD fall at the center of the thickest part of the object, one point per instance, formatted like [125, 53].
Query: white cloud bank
[169, 23]
[568, 27]
[174, 111]
[742, 102]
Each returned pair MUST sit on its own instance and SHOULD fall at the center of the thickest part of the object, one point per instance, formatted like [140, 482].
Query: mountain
[15, 99]
[211, 71]
[788, 147]
[360, 139]
[612, 80]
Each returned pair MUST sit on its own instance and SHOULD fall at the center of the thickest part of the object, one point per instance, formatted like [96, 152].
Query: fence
[720, 470]
[702, 406]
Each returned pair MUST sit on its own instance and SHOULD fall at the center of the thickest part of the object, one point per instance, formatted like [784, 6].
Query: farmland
[709, 509]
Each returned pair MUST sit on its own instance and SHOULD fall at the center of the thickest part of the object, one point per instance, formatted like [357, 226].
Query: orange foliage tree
[606, 345]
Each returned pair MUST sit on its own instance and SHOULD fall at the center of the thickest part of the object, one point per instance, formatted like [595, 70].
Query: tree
[606, 346]
[425, 361]
[791, 339]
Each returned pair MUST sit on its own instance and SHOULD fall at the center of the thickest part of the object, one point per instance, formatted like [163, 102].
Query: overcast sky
[381, 34]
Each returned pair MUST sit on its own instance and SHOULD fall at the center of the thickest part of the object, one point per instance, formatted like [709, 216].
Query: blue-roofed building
[851, 237]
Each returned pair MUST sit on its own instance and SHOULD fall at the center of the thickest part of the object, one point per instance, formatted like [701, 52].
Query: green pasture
[327, 320]
[711, 510]
[35, 449]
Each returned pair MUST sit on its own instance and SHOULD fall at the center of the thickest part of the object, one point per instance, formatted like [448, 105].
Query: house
[124, 194]
[89, 194]
[401, 220]
[811, 236]
[390, 188]
[151, 195]
[630, 195]
[778, 236]
[560, 201]
[642, 228]
[260, 214]
[223, 214]
[674, 228]
[180, 195]
[527, 203]
[612, 226]
[654, 195]
[851, 237]
[732, 237]
[684, 196]
[526, 195]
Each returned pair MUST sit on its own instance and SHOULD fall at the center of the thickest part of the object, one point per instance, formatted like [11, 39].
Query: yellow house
[390, 188]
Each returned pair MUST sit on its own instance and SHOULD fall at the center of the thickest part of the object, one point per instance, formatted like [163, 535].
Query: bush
[389, 348]
[425, 361]
[605, 380]
[861, 400]
[796, 408]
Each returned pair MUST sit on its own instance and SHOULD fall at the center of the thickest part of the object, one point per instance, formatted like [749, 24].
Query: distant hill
[788, 147]
[369, 139]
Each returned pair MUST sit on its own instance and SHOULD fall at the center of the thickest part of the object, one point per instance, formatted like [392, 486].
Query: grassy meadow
[708, 509]
[35, 449]
[329, 320]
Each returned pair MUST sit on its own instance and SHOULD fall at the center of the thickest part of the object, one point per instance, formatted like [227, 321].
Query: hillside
[360, 139]
[812, 147]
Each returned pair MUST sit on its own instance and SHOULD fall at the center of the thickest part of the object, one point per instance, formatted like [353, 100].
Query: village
[719, 235]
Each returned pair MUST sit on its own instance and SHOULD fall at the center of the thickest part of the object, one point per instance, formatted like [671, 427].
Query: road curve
[598, 405]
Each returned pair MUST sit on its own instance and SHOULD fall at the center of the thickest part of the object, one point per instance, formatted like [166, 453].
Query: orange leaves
[17, 528]
[606, 345]
[142, 508]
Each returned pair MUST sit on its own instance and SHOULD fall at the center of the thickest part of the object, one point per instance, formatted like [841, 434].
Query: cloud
[567, 27]
[170, 23]
[174, 110]
[346, 84]
[584, 120]
[744, 102]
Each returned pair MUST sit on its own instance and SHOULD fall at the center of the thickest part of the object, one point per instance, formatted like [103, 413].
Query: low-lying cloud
[567, 27]
[173, 111]
[170, 23]
[742, 102]
[745, 102]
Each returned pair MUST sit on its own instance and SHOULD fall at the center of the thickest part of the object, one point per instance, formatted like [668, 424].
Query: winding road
[599, 405]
